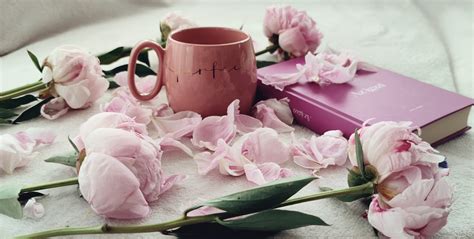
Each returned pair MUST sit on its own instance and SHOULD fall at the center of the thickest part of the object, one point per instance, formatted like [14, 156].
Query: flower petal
[170, 144]
[264, 173]
[247, 124]
[33, 209]
[54, 108]
[280, 81]
[281, 108]
[270, 120]
[181, 124]
[263, 145]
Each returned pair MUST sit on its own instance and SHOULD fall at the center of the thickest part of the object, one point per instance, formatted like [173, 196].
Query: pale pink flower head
[122, 173]
[412, 203]
[294, 31]
[107, 120]
[18, 149]
[75, 75]
[173, 22]
[320, 152]
[391, 147]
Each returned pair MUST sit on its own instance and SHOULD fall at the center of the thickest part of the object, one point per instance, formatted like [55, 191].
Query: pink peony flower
[292, 30]
[392, 147]
[107, 120]
[173, 22]
[259, 157]
[324, 68]
[275, 114]
[320, 152]
[76, 76]
[18, 149]
[411, 203]
[122, 173]
[212, 128]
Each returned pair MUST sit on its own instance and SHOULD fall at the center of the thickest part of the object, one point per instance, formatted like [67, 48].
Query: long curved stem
[183, 221]
[270, 48]
[19, 91]
[54, 184]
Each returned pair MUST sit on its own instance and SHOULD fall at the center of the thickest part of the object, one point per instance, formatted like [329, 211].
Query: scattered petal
[54, 109]
[247, 124]
[266, 172]
[178, 125]
[263, 145]
[274, 114]
[170, 144]
[33, 209]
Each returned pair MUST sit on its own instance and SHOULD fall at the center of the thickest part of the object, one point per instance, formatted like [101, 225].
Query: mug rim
[247, 37]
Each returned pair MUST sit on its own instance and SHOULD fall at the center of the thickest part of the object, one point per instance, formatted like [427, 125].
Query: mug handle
[132, 66]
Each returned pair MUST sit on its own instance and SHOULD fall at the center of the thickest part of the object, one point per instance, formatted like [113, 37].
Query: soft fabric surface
[428, 41]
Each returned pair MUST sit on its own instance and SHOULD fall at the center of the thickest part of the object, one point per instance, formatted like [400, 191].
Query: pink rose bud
[294, 31]
[76, 77]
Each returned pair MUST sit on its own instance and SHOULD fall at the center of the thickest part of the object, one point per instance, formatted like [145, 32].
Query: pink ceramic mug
[204, 69]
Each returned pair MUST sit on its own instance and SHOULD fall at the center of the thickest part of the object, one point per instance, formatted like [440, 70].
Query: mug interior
[209, 36]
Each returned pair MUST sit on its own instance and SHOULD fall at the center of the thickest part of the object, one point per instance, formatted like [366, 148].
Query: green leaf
[261, 198]
[23, 197]
[35, 60]
[32, 112]
[141, 70]
[215, 231]
[6, 113]
[261, 64]
[367, 192]
[13, 103]
[143, 57]
[114, 55]
[359, 154]
[9, 204]
[273, 220]
[112, 84]
[72, 144]
[5, 121]
[68, 160]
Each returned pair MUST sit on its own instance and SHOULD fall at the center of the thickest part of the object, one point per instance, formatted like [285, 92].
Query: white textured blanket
[427, 40]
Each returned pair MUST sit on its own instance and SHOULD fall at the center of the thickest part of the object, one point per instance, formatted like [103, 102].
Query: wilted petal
[280, 81]
[228, 159]
[163, 110]
[263, 145]
[266, 172]
[270, 120]
[213, 128]
[170, 144]
[121, 199]
[168, 182]
[54, 108]
[33, 209]
[247, 124]
[177, 125]
[281, 108]
[144, 84]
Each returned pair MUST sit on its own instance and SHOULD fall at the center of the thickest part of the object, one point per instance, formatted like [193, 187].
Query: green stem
[270, 48]
[28, 88]
[183, 221]
[54, 184]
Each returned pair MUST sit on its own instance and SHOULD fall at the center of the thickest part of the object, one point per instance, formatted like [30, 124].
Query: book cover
[382, 96]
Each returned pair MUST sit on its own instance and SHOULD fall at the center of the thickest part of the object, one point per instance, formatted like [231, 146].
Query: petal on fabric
[181, 124]
[170, 181]
[206, 162]
[281, 108]
[144, 84]
[111, 188]
[54, 109]
[280, 81]
[39, 135]
[270, 120]
[162, 110]
[76, 96]
[33, 209]
[171, 144]
[211, 129]
[264, 173]
[390, 222]
[263, 146]
[247, 124]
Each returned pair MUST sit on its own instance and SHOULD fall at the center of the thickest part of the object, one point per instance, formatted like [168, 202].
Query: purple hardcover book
[382, 95]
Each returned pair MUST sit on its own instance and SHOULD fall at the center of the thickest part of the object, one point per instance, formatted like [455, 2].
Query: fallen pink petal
[54, 109]
[33, 209]
[177, 125]
[266, 172]
[274, 114]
